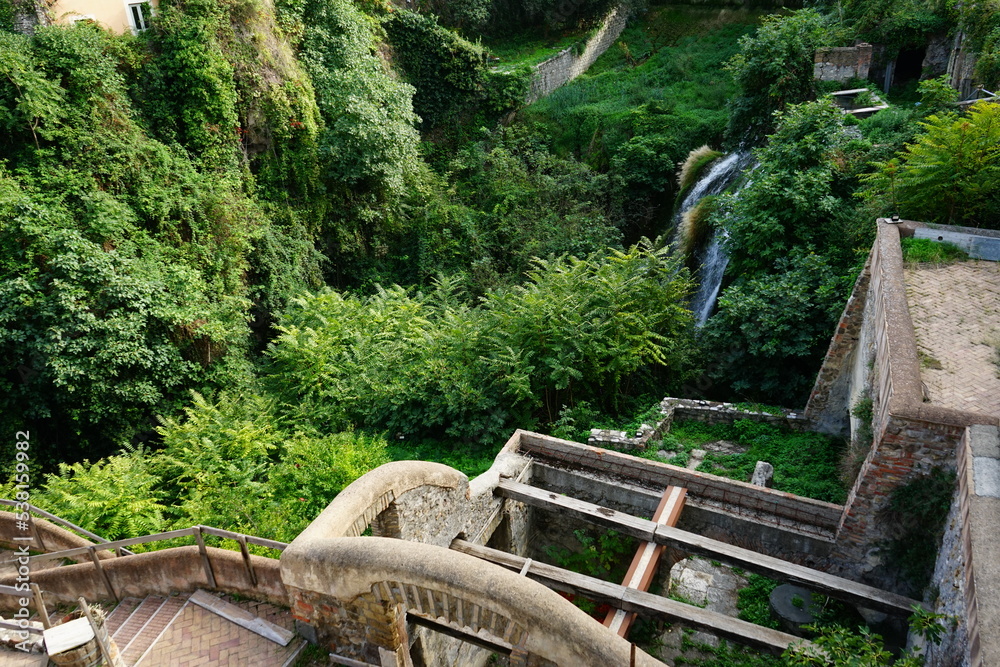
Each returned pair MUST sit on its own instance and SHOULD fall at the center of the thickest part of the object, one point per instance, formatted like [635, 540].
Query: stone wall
[910, 437]
[707, 412]
[842, 63]
[843, 377]
[961, 67]
[567, 65]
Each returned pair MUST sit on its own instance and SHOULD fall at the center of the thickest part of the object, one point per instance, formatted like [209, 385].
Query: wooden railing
[56, 520]
[198, 532]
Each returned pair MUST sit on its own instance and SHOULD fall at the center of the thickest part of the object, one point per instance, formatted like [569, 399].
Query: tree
[791, 199]
[949, 174]
[114, 497]
[774, 68]
[771, 329]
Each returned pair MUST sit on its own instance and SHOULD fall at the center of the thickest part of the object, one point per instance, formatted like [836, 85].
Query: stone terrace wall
[842, 63]
[707, 412]
[180, 569]
[910, 437]
[837, 382]
[566, 65]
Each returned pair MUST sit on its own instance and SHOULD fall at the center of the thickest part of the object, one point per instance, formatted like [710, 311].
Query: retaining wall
[567, 65]
[910, 436]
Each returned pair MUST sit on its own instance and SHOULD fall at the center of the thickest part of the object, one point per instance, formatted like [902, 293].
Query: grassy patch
[473, 460]
[664, 76]
[532, 46]
[805, 464]
[921, 251]
[754, 603]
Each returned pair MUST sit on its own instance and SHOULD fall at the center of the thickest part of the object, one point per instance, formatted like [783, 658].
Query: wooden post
[204, 557]
[104, 575]
[242, 539]
[36, 534]
[43, 613]
[111, 657]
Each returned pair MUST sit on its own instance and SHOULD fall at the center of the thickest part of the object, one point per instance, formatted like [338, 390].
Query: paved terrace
[956, 316]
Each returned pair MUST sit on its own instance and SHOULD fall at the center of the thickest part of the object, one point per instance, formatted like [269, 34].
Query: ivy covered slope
[161, 195]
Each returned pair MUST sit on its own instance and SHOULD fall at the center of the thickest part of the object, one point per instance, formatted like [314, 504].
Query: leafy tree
[586, 327]
[426, 364]
[771, 329]
[898, 24]
[949, 174]
[115, 497]
[774, 68]
[312, 471]
[791, 200]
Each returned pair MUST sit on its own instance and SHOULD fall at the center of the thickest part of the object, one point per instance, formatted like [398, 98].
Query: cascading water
[712, 260]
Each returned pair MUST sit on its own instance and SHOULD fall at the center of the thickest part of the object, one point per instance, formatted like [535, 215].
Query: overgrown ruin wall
[910, 437]
[567, 64]
[842, 63]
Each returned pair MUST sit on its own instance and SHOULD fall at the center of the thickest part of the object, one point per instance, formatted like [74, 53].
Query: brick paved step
[151, 630]
[120, 614]
[128, 630]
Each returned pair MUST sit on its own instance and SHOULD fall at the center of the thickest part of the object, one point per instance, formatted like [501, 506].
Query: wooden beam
[775, 568]
[242, 618]
[647, 558]
[103, 574]
[209, 574]
[632, 600]
[451, 630]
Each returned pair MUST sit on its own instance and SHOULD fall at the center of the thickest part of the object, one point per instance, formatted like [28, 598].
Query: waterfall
[712, 260]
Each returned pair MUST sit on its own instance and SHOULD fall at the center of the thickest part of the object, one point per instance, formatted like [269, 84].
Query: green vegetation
[930, 251]
[754, 603]
[916, 514]
[259, 249]
[949, 174]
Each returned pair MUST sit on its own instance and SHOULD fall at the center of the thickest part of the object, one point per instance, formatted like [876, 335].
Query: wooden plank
[636, 601]
[242, 618]
[247, 562]
[835, 587]
[69, 635]
[10, 590]
[699, 484]
[14, 626]
[110, 546]
[647, 558]
[601, 516]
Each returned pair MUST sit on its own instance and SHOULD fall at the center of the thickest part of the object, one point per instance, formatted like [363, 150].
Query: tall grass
[696, 160]
[665, 77]
[693, 228]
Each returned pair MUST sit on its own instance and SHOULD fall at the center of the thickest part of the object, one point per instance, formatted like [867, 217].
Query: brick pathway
[956, 314]
[200, 637]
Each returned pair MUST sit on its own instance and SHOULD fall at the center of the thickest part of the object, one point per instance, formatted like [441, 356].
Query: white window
[139, 14]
